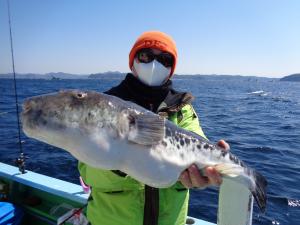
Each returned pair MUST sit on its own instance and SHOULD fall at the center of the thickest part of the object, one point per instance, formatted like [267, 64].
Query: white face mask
[152, 74]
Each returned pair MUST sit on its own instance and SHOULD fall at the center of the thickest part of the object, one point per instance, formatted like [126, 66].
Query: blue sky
[257, 37]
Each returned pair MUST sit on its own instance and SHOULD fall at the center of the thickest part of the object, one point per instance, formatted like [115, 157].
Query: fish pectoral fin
[146, 129]
[228, 169]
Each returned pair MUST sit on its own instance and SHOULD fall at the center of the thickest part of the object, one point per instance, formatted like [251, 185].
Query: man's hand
[192, 177]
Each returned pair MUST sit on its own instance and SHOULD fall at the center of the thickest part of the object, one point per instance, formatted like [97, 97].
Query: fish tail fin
[259, 190]
[253, 180]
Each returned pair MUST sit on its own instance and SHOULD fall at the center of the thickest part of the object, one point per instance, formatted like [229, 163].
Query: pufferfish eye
[80, 95]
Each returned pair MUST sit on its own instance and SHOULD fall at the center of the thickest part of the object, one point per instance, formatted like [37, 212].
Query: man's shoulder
[112, 91]
[120, 91]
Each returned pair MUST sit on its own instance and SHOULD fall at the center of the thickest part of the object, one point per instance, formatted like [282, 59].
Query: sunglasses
[146, 55]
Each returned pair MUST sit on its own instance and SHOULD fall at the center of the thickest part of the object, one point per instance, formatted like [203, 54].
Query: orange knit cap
[154, 39]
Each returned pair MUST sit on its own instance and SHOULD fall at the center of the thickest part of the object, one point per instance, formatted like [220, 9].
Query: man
[118, 199]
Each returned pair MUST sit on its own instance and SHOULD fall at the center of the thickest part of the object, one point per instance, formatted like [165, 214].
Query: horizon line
[88, 74]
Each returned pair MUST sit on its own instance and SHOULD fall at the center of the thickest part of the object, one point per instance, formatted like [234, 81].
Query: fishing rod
[20, 161]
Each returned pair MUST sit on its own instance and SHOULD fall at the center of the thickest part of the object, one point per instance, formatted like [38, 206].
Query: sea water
[258, 117]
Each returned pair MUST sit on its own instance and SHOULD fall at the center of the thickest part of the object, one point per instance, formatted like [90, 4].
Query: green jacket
[118, 200]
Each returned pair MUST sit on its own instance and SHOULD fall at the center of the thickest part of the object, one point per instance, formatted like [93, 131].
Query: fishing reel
[20, 162]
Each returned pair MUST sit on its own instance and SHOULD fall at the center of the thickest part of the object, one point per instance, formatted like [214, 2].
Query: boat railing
[235, 201]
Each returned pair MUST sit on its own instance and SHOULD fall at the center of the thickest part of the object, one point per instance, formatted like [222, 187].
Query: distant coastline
[105, 75]
[61, 75]
[292, 77]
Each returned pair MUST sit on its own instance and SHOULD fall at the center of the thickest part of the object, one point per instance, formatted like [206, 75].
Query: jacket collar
[159, 99]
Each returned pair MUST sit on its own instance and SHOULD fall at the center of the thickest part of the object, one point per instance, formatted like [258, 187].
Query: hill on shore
[61, 75]
[292, 77]
[111, 75]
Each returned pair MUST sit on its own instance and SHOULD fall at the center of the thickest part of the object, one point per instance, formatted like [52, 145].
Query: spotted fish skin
[198, 147]
[108, 133]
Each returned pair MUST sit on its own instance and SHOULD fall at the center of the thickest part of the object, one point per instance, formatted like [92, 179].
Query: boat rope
[21, 159]
[76, 212]
[79, 210]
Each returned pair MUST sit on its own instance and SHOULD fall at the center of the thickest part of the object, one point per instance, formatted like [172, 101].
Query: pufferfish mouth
[31, 116]
[27, 106]
[26, 109]
[31, 119]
